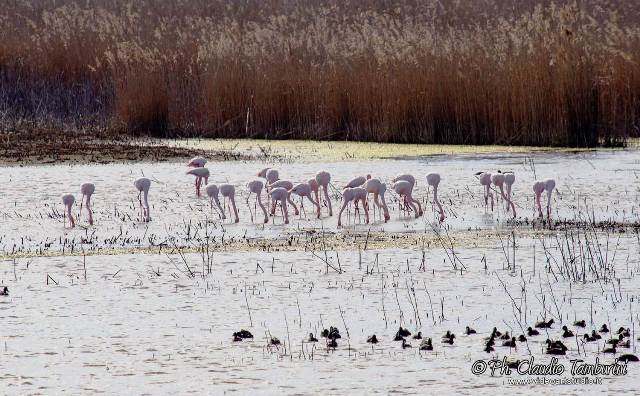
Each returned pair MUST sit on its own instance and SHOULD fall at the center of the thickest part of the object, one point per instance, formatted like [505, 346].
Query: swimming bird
[4, 291]
[531, 332]
[495, 333]
[373, 339]
[323, 178]
[418, 336]
[485, 181]
[544, 325]
[229, 193]
[505, 336]
[556, 345]
[236, 337]
[403, 332]
[332, 343]
[334, 333]
[511, 343]
[405, 344]
[488, 348]
[274, 341]
[589, 338]
[280, 195]
[627, 357]
[580, 323]
[566, 333]
[200, 174]
[426, 345]
[522, 338]
[67, 201]
[304, 190]
[611, 349]
[312, 338]
[595, 335]
[87, 190]
[624, 332]
[469, 331]
[378, 189]
[255, 187]
[354, 195]
[604, 329]
[143, 185]
[433, 180]
[244, 334]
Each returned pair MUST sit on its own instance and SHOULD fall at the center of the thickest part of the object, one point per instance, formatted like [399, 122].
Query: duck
[627, 357]
[236, 337]
[373, 339]
[312, 338]
[488, 348]
[544, 325]
[449, 334]
[495, 333]
[332, 343]
[580, 323]
[556, 345]
[334, 333]
[522, 338]
[556, 351]
[418, 336]
[505, 336]
[398, 337]
[491, 341]
[469, 331]
[615, 341]
[624, 332]
[404, 332]
[611, 349]
[274, 341]
[4, 291]
[244, 334]
[426, 345]
[448, 340]
[405, 344]
[589, 338]
[511, 343]
[324, 333]
[625, 344]
[604, 329]
[531, 332]
[566, 333]
[595, 335]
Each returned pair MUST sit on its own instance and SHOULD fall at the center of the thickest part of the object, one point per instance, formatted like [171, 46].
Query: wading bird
[404, 189]
[255, 187]
[68, 201]
[377, 188]
[281, 195]
[87, 190]
[229, 193]
[353, 195]
[304, 190]
[433, 180]
[323, 179]
[539, 187]
[212, 192]
[287, 185]
[498, 180]
[200, 174]
[142, 185]
[197, 162]
[485, 182]
[509, 179]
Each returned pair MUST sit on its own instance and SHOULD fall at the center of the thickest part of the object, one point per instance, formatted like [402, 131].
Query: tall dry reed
[476, 71]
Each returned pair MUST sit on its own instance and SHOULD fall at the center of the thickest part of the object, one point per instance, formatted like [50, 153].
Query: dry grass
[449, 72]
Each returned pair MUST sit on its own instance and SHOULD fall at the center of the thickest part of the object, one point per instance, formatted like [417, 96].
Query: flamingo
[271, 175]
[509, 179]
[404, 189]
[498, 180]
[411, 181]
[539, 187]
[304, 190]
[287, 185]
[229, 192]
[282, 195]
[323, 178]
[68, 201]
[315, 188]
[255, 187]
[197, 162]
[142, 185]
[377, 188]
[200, 174]
[357, 182]
[212, 192]
[485, 181]
[87, 190]
[354, 195]
[433, 180]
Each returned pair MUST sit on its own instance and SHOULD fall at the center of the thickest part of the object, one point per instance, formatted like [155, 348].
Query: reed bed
[451, 72]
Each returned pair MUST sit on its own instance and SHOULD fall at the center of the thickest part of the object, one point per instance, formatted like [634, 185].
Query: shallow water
[162, 321]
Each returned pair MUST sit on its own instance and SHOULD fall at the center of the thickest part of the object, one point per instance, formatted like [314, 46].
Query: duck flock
[279, 193]
[496, 338]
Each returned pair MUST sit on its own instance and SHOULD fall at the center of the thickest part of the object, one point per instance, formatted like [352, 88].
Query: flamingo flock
[279, 194]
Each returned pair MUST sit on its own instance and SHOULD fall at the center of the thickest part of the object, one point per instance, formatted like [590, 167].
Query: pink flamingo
[323, 179]
[68, 200]
[509, 179]
[498, 181]
[87, 190]
[212, 192]
[282, 195]
[357, 182]
[538, 188]
[197, 162]
[433, 180]
[143, 185]
[255, 187]
[377, 188]
[271, 175]
[200, 174]
[485, 181]
[287, 185]
[304, 190]
[409, 198]
[315, 188]
[404, 188]
[229, 193]
[354, 195]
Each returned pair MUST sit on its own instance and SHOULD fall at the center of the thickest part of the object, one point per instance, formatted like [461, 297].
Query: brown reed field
[514, 72]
